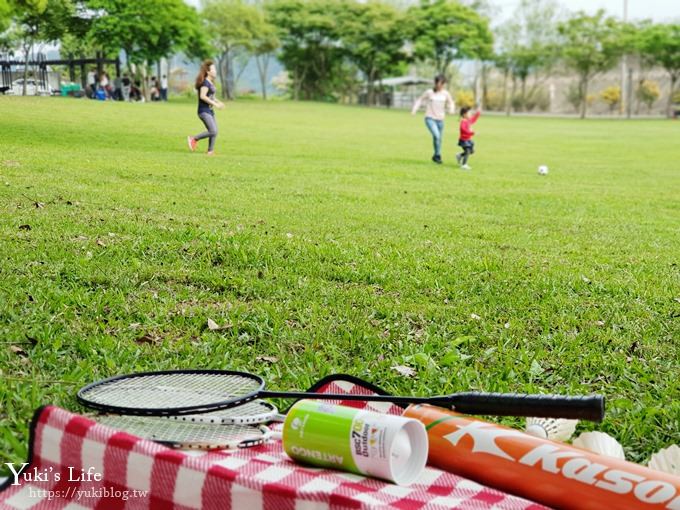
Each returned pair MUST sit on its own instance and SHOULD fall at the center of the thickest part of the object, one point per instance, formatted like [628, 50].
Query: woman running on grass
[438, 102]
[206, 102]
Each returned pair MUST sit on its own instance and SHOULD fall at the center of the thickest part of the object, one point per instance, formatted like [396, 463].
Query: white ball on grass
[542, 170]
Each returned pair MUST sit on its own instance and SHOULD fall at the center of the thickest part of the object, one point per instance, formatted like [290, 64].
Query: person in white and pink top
[438, 102]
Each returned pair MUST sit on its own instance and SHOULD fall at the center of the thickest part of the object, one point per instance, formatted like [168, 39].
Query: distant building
[397, 92]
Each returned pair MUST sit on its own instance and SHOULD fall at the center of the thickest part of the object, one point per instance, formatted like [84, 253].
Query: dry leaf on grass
[404, 370]
[213, 326]
[475, 316]
[146, 339]
[268, 359]
[18, 350]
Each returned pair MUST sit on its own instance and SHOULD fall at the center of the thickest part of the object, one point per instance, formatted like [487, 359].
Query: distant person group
[99, 86]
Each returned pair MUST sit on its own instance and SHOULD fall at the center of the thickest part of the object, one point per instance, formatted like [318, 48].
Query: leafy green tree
[660, 45]
[147, 30]
[502, 61]
[373, 38]
[443, 30]
[233, 26]
[648, 92]
[528, 44]
[5, 10]
[40, 21]
[310, 32]
[611, 96]
[266, 42]
[591, 45]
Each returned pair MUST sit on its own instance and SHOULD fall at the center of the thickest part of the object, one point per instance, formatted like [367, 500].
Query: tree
[611, 96]
[311, 51]
[648, 92]
[660, 44]
[5, 11]
[528, 42]
[233, 25]
[40, 21]
[148, 30]
[443, 30]
[503, 63]
[465, 98]
[591, 45]
[265, 43]
[374, 41]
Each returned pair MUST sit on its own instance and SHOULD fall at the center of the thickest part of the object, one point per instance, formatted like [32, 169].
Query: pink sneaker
[192, 143]
[210, 153]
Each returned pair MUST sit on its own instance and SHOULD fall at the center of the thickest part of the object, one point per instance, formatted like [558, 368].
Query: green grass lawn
[328, 242]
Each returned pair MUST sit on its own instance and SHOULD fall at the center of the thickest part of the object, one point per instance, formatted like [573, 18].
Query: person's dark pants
[211, 126]
[164, 94]
[468, 147]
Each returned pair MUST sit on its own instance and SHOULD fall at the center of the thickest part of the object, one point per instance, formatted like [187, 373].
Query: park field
[322, 239]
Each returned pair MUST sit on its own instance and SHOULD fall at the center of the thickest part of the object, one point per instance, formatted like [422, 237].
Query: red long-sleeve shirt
[466, 132]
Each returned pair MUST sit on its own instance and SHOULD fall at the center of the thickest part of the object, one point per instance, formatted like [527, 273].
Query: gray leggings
[211, 126]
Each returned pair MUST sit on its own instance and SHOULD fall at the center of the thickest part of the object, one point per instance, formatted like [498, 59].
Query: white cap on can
[408, 452]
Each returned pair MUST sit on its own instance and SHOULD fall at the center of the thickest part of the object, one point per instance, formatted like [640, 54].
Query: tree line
[332, 48]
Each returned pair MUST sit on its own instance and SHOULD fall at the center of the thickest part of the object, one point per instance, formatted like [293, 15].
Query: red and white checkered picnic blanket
[141, 474]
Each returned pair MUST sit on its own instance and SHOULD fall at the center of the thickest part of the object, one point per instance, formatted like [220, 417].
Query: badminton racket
[257, 411]
[182, 392]
[181, 434]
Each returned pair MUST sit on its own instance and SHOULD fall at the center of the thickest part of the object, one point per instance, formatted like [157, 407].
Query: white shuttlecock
[542, 170]
[555, 429]
[666, 460]
[600, 443]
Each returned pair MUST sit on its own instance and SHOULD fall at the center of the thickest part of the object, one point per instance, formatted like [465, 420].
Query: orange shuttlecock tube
[554, 474]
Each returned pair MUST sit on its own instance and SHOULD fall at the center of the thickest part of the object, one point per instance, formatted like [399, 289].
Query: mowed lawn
[324, 240]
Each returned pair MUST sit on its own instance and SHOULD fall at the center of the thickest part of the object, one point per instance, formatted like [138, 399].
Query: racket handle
[589, 407]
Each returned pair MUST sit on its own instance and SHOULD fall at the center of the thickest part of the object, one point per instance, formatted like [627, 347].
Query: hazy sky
[658, 10]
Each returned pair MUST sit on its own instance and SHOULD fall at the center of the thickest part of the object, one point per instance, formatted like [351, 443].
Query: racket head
[253, 412]
[171, 392]
[180, 434]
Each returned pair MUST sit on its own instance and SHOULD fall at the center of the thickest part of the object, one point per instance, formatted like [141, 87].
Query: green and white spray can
[384, 446]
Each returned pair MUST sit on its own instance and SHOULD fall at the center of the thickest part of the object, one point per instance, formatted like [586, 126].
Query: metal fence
[12, 69]
[40, 70]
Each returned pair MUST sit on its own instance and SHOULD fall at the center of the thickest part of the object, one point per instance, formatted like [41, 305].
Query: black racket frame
[589, 407]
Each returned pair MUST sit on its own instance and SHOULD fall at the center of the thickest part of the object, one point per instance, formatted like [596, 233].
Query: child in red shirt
[465, 139]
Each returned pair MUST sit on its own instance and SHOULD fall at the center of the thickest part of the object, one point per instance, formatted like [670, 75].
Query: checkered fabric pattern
[140, 474]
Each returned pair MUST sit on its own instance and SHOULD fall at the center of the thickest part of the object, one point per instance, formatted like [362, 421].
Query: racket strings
[256, 411]
[164, 391]
[184, 434]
